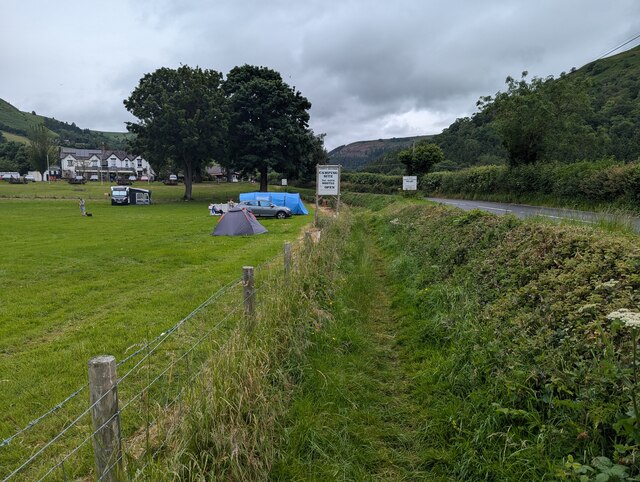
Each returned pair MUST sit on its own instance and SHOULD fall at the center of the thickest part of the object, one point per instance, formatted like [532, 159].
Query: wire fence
[162, 371]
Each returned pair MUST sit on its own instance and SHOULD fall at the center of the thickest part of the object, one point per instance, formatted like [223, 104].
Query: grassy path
[354, 417]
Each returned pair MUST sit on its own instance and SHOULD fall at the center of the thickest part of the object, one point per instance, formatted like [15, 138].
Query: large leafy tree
[268, 128]
[420, 158]
[42, 148]
[544, 120]
[183, 120]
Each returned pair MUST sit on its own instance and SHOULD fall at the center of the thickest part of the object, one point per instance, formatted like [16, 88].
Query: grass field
[74, 287]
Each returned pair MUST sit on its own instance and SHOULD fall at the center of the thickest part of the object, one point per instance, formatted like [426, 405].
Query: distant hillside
[614, 93]
[611, 86]
[17, 124]
[359, 154]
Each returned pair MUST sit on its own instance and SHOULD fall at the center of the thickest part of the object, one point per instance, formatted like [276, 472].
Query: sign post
[327, 184]
[409, 183]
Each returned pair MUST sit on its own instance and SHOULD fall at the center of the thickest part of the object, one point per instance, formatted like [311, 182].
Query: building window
[69, 163]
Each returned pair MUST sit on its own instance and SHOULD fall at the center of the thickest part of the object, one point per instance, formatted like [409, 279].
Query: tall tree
[420, 158]
[42, 148]
[544, 120]
[183, 120]
[269, 123]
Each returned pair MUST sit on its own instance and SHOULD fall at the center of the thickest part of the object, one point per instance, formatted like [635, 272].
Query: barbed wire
[36, 421]
[164, 334]
[171, 330]
[160, 339]
[54, 439]
[77, 447]
[124, 407]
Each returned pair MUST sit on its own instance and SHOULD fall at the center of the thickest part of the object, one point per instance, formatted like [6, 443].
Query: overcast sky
[371, 69]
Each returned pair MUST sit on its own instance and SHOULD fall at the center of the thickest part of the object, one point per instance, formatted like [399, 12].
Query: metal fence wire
[164, 369]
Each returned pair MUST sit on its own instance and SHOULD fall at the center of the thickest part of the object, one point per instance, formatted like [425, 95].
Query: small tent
[237, 222]
[289, 199]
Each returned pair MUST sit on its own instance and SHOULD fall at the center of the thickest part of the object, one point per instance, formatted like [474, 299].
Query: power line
[619, 46]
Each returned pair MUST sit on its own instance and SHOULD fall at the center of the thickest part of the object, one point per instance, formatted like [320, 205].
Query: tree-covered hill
[359, 154]
[587, 114]
[18, 123]
[590, 113]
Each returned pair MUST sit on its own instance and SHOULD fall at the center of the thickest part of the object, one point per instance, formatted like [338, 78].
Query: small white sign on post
[409, 183]
[284, 182]
[328, 181]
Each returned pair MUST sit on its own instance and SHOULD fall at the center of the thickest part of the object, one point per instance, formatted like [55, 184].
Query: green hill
[589, 113]
[359, 154]
[15, 126]
[610, 123]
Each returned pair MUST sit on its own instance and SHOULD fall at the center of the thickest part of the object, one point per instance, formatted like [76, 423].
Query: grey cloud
[371, 69]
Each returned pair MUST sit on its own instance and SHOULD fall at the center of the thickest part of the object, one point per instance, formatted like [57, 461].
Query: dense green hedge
[602, 181]
[515, 358]
[370, 182]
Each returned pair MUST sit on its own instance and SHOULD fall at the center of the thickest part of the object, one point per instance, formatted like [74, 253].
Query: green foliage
[42, 148]
[587, 114]
[512, 350]
[604, 181]
[269, 124]
[151, 264]
[471, 141]
[183, 119]
[70, 135]
[362, 154]
[545, 119]
[420, 158]
[14, 157]
[370, 182]
[388, 164]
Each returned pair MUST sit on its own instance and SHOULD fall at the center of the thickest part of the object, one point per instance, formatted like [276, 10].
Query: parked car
[94, 177]
[29, 178]
[77, 180]
[133, 178]
[172, 181]
[144, 178]
[266, 208]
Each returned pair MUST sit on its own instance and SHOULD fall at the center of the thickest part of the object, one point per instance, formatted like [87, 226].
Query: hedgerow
[604, 181]
[514, 355]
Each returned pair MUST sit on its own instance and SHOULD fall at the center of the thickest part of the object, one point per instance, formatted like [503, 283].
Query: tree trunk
[188, 180]
[264, 187]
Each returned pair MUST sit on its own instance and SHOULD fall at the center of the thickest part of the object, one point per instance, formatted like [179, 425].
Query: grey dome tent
[237, 222]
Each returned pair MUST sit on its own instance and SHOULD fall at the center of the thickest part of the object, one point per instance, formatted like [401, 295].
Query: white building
[107, 165]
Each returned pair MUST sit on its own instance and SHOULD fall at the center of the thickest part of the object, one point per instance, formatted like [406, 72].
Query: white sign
[284, 182]
[328, 181]
[409, 183]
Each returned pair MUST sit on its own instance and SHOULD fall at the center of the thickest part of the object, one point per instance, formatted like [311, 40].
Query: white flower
[628, 317]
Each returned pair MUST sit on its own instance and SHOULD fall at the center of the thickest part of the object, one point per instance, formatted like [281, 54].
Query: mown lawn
[74, 287]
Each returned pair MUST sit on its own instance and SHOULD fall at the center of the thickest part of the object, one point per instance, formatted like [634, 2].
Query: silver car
[266, 208]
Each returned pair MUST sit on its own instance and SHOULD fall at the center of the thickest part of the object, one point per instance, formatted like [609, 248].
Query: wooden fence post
[249, 296]
[287, 258]
[103, 396]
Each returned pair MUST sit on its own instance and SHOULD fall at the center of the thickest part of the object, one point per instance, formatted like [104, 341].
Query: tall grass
[74, 287]
[231, 424]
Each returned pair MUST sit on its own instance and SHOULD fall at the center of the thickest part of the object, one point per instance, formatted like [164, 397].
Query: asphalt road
[526, 211]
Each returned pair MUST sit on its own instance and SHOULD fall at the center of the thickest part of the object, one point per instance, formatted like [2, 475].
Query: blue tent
[289, 199]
